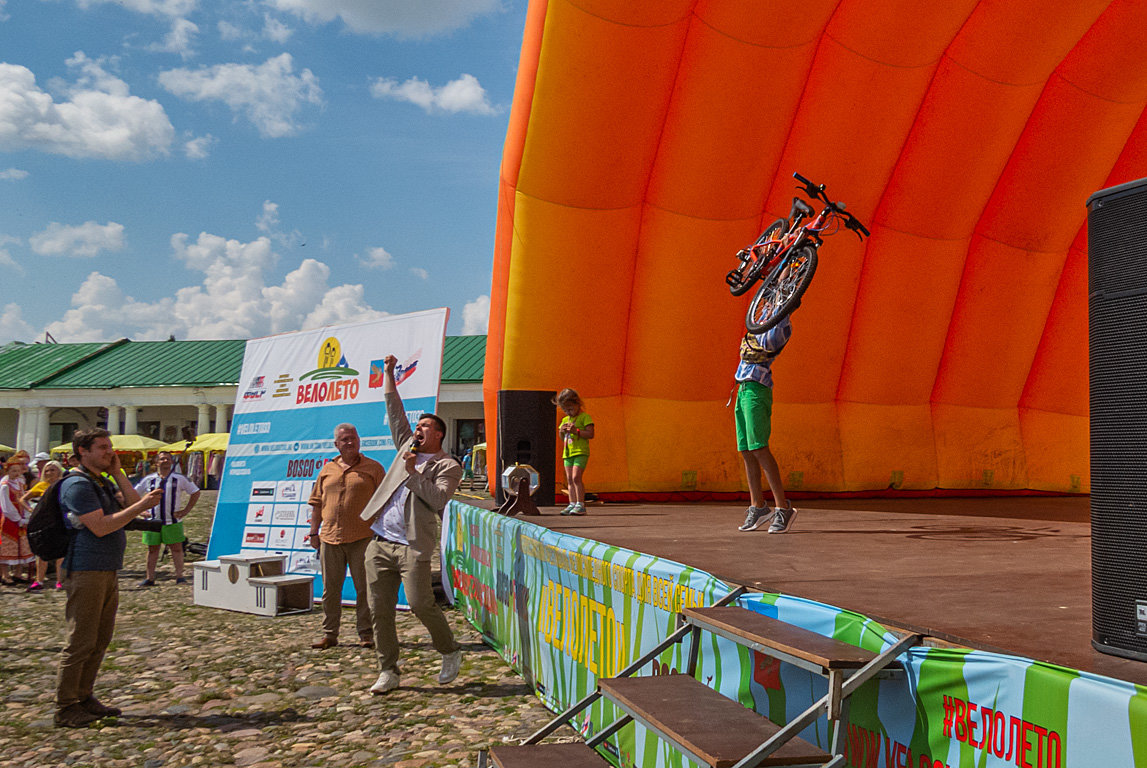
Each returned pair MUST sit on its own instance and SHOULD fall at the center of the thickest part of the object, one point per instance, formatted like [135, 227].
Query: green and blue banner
[564, 611]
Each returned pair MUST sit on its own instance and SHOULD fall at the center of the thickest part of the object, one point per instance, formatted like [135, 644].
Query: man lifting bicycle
[754, 409]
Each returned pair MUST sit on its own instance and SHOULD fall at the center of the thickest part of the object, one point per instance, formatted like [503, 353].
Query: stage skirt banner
[295, 389]
[564, 611]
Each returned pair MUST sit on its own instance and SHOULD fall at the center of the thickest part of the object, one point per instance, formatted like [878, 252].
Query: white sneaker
[387, 681]
[451, 663]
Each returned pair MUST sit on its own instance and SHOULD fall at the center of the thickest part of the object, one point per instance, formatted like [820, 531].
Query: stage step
[252, 584]
[705, 725]
[778, 639]
[572, 755]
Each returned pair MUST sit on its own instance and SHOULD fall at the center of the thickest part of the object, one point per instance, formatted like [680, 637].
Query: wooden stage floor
[1003, 574]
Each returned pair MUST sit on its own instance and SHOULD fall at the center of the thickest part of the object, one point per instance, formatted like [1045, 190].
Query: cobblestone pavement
[205, 687]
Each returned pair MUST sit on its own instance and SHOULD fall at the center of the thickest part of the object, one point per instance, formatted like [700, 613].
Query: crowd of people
[379, 524]
[25, 480]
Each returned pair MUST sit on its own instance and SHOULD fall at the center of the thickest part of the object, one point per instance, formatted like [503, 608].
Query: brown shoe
[326, 642]
[92, 705]
[366, 641]
[74, 716]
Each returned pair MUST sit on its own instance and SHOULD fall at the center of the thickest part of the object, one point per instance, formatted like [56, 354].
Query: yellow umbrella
[179, 446]
[6, 448]
[210, 442]
[135, 443]
[65, 448]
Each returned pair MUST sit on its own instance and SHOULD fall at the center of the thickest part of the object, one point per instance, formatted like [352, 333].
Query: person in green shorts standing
[576, 430]
[754, 412]
[179, 497]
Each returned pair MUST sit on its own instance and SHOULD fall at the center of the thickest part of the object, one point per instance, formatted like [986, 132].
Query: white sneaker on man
[387, 681]
[451, 664]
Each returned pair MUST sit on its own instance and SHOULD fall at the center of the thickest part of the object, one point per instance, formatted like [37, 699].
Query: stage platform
[1010, 575]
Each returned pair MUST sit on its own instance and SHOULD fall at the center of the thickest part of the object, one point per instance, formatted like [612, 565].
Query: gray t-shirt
[88, 552]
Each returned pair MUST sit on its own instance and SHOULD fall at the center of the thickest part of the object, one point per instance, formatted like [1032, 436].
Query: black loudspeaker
[1117, 332]
[527, 434]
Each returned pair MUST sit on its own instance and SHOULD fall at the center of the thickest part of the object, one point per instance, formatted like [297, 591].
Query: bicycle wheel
[780, 293]
[750, 271]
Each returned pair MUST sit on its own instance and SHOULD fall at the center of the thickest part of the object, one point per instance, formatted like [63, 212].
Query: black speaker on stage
[1117, 331]
[527, 434]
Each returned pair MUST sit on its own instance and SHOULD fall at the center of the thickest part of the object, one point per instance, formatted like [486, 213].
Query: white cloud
[269, 218]
[6, 259]
[401, 18]
[377, 258]
[181, 39]
[465, 94]
[269, 95]
[13, 174]
[199, 147]
[420, 273]
[100, 117]
[476, 316]
[151, 7]
[12, 325]
[86, 240]
[233, 299]
[229, 31]
[275, 30]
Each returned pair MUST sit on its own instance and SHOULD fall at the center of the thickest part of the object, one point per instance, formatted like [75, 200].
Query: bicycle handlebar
[816, 191]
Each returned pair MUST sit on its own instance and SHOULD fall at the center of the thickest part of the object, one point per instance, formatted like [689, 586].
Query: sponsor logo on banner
[282, 386]
[402, 371]
[332, 381]
[258, 514]
[255, 390]
[263, 490]
[282, 538]
[304, 517]
[285, 514]
[256, 537]
[305, 562]
[288, 491]
[302, 538]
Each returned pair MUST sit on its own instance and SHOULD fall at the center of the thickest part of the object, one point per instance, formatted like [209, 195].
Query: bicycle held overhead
[784, 257]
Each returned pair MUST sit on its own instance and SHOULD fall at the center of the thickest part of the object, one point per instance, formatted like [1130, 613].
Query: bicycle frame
[762, 257]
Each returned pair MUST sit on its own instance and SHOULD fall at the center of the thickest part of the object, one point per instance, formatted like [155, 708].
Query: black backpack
[48, 536]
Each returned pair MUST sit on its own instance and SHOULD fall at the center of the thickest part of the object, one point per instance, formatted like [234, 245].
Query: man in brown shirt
[339, 533]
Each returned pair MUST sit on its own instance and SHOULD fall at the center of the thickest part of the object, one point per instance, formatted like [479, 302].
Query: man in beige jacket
[404, 514]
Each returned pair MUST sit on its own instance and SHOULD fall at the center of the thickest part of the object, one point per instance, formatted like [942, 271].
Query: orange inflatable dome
[649, 142]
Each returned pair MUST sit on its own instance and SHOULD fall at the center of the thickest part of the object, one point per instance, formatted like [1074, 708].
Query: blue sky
[235, 169]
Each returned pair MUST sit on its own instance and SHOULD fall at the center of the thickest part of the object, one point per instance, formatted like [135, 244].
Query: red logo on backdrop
[767, 671]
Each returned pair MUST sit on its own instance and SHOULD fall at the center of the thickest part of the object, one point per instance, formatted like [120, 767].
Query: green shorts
[577, 460]
[168, 534]
[754, 413]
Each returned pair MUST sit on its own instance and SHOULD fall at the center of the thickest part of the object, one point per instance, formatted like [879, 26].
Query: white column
[203, 426]
[24, 426]
[130, 420]
[113, 419]
[43, 430]
[222, 413]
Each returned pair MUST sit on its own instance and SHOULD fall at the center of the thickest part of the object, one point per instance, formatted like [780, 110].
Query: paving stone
[202, 687]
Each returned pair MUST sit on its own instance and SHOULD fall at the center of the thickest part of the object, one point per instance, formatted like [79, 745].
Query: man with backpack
[92, 509]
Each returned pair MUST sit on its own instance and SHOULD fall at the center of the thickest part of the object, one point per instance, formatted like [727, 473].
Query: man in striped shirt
[179, 496]
[754, 412]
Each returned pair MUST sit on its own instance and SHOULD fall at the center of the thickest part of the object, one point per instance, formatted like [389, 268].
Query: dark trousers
[93, 597]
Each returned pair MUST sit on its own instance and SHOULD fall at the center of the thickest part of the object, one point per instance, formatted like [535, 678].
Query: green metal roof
[23, 365]
[157, 364]
[173, 364]
[464, 360]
